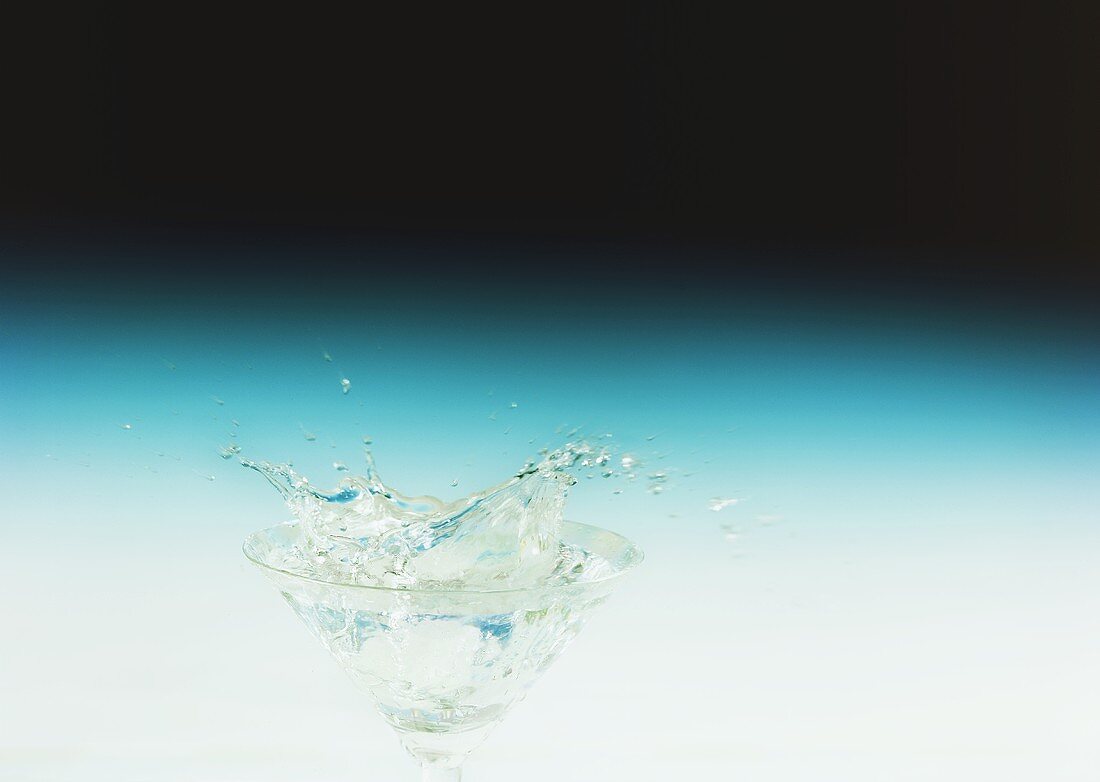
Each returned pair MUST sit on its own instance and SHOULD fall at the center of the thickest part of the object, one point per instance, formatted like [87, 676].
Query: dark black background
[935, 140]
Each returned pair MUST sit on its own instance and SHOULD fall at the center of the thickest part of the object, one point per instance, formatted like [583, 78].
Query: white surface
[880, 659]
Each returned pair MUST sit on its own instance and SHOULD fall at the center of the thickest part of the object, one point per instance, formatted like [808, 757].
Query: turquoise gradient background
[907, 588]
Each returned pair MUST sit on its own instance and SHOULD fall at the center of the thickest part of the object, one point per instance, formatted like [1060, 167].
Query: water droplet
[454, 482]
[339, 466]
[651, 438]
[326, 356]
[218, 400]
[514, 405]
[607, 473]
[617, 491]
[508, 430]
[718, 503]
[657, 482]
[229, 451]
[235, 422]
[628, 462]
[168, 364]
[493, 416]
[345, 385]
[127, 426]
[310, 436]
[367, 439]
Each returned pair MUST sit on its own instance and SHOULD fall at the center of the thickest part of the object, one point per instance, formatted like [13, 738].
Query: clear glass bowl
[444, 666]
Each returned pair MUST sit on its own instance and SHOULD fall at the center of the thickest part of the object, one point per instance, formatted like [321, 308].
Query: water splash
[505, 536]
[345, 385]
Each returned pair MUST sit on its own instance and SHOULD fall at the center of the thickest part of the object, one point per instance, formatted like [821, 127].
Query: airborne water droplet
[657, 482]
[310, 436]
[367, 439]
[218, 400]
[718, 503]
[514, 405]
[229, 451]
[454, 482]
[340, 466]
[127, 426]
[345, 384]
[326, 356]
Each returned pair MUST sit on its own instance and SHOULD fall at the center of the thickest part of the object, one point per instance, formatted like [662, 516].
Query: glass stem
[434, 772]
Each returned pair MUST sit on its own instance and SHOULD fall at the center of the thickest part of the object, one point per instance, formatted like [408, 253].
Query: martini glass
[443, 667]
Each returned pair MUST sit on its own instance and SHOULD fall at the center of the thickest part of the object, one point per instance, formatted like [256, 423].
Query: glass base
[434, 772]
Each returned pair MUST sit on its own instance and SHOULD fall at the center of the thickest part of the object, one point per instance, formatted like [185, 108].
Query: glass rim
[636, 556]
